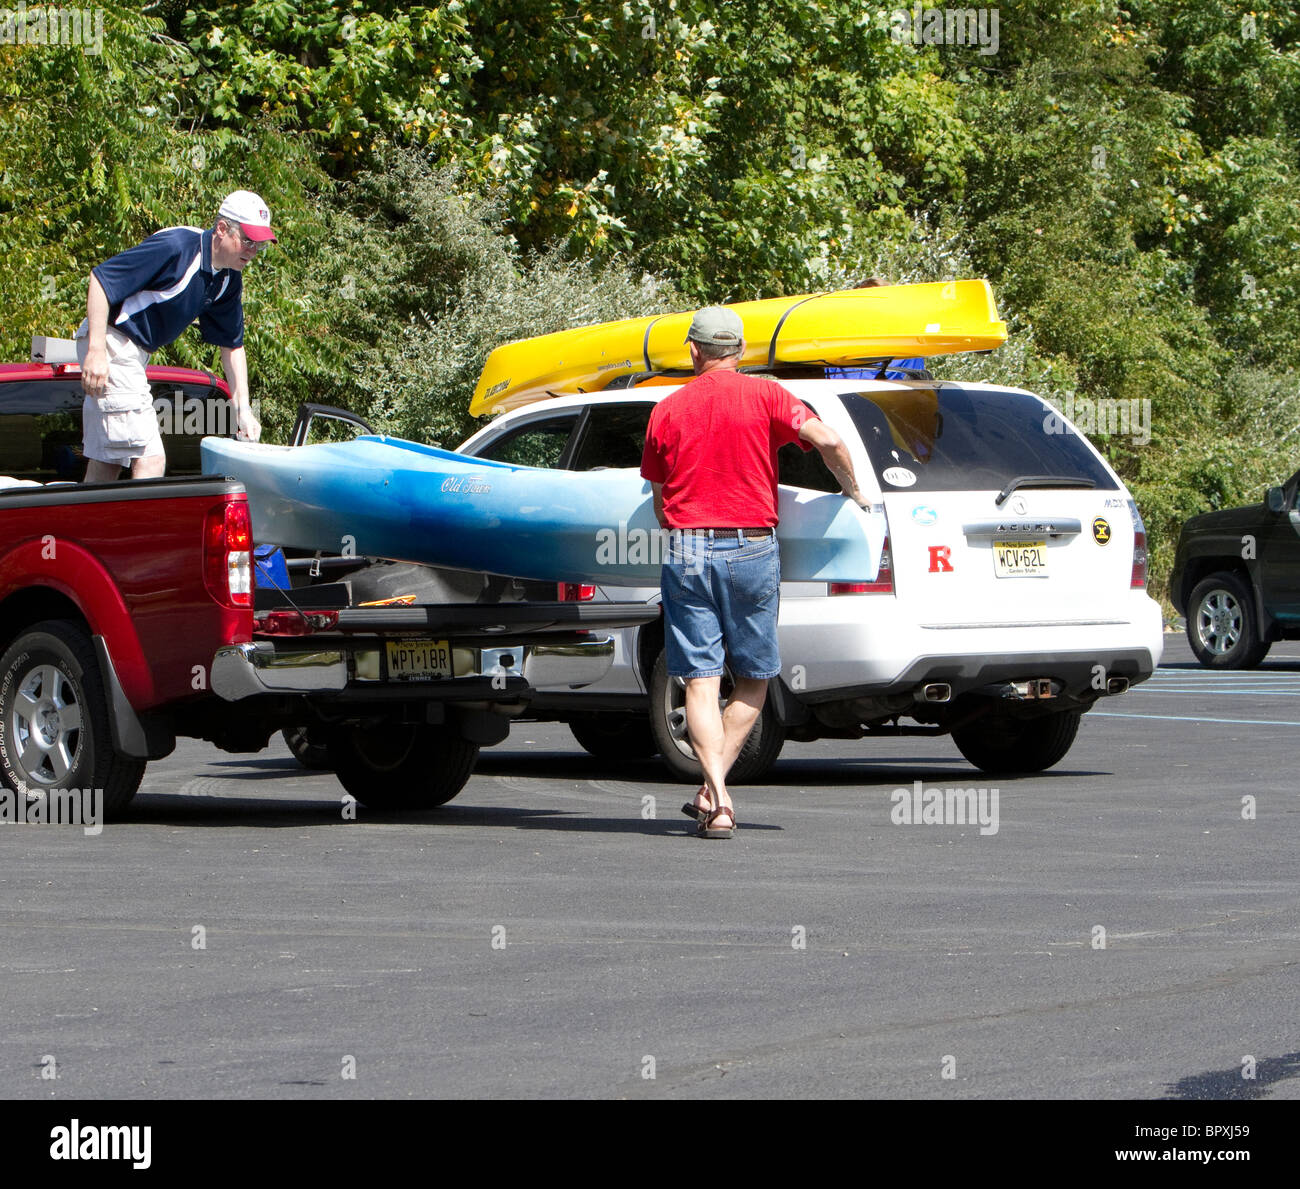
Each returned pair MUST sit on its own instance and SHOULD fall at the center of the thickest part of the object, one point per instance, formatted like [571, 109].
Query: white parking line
[1230, 684]
[1245, 722]
[1227, 693]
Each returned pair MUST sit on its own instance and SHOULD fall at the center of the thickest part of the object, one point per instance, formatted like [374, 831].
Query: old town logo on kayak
[466, 485]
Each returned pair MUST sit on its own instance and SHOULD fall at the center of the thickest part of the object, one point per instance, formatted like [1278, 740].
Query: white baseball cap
[249, 211]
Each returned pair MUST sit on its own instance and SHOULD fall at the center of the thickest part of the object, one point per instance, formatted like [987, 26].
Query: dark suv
[1237, 579]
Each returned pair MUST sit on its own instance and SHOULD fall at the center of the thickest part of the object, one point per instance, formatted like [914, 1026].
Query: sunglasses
[255, 244]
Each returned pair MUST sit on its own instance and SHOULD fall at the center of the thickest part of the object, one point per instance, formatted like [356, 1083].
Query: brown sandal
[709, 830]
[693, 811]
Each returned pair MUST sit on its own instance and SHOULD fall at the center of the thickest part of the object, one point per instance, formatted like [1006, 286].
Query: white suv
[1012, 594]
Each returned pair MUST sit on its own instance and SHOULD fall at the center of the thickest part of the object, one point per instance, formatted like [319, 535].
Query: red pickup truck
[129, 617]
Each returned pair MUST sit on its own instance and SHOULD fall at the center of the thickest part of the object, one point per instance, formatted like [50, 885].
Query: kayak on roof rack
[842, 328]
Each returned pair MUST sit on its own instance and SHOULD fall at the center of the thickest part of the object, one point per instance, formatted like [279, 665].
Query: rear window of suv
[952, 439]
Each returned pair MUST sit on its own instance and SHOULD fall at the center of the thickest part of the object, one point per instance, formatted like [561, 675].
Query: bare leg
[149, 468]
[101, 472]
[717, 736]
[741, 712]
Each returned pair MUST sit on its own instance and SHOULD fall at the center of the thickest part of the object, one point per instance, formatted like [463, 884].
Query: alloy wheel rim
[1219, 622]
[46, 726]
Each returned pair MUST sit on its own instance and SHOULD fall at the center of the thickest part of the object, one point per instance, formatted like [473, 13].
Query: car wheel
[614, 736]
[668, 725]
[54, 728]
[1015, 746]
[310, 747]
[1221, 624]
[402, 765]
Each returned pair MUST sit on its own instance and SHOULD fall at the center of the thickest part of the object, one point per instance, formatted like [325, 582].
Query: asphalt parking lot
[1129, 930]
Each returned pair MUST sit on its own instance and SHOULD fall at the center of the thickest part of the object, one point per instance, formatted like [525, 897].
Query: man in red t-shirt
[710, 456]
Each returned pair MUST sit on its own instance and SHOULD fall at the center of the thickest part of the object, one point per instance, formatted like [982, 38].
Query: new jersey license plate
[1020, 559]
[419, 660]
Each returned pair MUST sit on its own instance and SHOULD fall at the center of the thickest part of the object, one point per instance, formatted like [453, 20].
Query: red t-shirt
[713, 444]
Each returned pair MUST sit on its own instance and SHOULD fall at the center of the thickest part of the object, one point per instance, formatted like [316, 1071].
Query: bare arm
[234, 363]
[658, 489]
[835, 454]
[94, 374]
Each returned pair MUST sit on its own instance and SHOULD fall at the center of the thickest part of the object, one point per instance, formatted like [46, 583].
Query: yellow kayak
[839, 329]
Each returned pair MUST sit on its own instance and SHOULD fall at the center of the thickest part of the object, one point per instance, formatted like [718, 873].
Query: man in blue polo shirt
[144, 298]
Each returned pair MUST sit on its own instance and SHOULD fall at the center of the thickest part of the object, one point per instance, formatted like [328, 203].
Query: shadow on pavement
[1229, 1083]
[206, 811]
[870, 770]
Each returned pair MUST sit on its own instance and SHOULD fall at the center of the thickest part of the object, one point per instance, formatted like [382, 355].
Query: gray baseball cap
[718, 325]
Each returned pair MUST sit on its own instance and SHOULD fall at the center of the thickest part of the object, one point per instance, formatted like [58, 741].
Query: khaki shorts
[120, 426]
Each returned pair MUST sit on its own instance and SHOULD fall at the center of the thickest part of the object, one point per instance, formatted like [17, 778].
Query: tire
[1004, 745]
[310, 747]
[614, 736]
[1221, 625]
[402, 765]
[54, 727]
[668, 725]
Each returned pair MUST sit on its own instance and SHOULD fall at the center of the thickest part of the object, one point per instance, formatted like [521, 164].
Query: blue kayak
[385, 497]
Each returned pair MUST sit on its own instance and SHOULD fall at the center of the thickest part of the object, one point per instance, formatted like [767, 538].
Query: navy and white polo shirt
[156, 289]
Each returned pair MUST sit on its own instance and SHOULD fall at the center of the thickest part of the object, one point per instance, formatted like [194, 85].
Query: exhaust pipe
[934, 691]
[1116, 685]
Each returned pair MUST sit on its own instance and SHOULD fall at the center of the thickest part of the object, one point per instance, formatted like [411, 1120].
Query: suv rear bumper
[1078, 673]
[858, 645]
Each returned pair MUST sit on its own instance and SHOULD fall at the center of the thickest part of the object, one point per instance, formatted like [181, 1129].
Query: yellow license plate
[419, 660]
[1020, 559]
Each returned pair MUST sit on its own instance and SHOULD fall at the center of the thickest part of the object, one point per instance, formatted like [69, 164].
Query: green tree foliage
[353, 73]
[437, 285]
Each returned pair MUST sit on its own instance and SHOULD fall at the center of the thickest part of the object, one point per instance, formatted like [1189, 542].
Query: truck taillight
[575, 592]
[297, 623]
[884, 583]
[1138, 579]
[228, 554]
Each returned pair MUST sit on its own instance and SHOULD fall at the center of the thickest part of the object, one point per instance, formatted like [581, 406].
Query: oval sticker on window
[898, 476]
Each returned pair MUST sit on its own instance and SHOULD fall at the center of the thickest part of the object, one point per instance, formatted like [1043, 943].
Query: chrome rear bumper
[297, 667]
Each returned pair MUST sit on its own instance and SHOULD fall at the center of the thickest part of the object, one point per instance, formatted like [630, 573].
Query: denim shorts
[720, 603]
